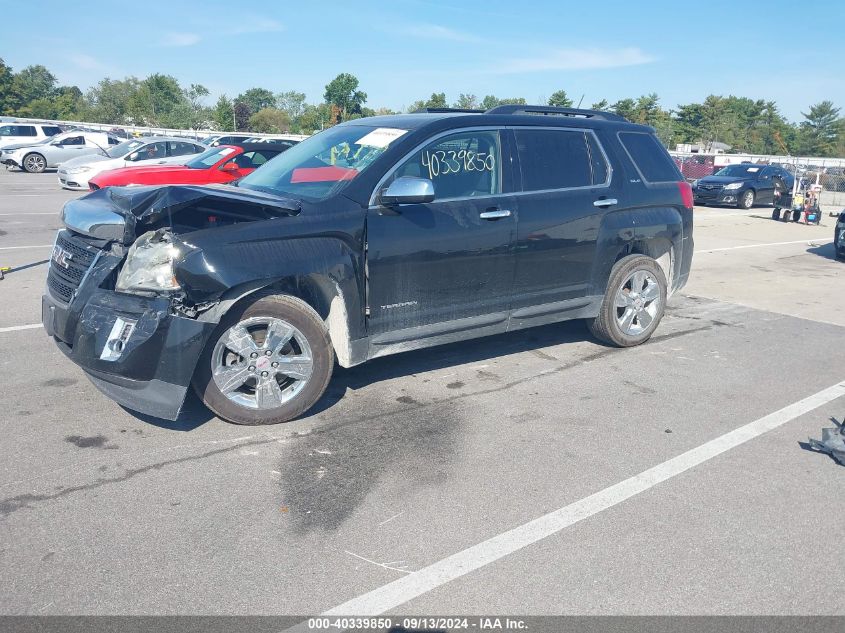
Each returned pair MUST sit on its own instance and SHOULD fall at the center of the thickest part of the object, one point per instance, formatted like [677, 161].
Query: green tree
[600, 105]
[257, 99]
[437, 100]
[31, 83]
[491, 101]
[624, 108]
[6, 77]
[157, 97]
[343, 93]
[559, 99]
[222, 114]
[820, 130]
[291, 103]
[467, 102]
[314, 118]
[114, 101]
[270, 120]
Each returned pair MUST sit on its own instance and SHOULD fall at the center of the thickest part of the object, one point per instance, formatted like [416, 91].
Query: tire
[609, 326]
[34, 163]
[746, 200]
[776, 214]
[250, 397]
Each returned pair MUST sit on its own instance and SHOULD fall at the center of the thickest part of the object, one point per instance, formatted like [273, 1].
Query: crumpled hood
[114, 212]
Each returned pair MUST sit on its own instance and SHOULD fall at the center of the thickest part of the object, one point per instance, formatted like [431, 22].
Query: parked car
[226, 139]
[216, 165]
[839, 236]
[11, 133]
[743, 185]
[283, 142]
[75, 173]
[375, 236]
[53, 151]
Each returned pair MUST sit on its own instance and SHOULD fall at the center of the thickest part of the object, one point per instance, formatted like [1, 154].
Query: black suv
[376, 236]
[743, 185]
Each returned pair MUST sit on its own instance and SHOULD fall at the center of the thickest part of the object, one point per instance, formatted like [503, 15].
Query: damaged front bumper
[134, 349]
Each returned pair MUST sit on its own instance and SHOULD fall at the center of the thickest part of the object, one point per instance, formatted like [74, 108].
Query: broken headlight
[149, 265]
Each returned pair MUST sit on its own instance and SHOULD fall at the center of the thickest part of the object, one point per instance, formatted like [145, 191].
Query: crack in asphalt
[11, 505]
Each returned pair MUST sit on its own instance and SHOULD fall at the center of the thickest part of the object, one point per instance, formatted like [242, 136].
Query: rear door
[448, 262]
[567, 186]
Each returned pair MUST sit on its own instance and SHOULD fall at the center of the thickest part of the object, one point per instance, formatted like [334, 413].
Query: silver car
[52, 152]
[141, 152]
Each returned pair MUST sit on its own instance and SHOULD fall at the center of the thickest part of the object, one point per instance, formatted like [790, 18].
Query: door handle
[605, 202]
[494, 214]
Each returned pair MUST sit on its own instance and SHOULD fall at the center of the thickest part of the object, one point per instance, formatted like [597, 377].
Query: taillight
[686, 194]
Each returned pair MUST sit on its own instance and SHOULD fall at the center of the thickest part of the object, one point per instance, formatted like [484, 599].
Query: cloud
[179, 39]
[576, 59]
[256, 25]
[86, 62]
[435, 32]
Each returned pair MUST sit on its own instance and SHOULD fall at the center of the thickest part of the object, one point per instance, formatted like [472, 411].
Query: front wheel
[746, 200]
[34, 163]
[266, 363]
[633, 304]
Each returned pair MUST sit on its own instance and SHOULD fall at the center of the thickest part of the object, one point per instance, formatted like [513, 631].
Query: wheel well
[660, 250]
[320, 293]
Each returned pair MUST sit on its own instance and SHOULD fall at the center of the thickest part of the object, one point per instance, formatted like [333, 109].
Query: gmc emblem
[61, 256]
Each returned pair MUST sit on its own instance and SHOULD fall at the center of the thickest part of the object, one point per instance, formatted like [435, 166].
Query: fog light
[116, 342]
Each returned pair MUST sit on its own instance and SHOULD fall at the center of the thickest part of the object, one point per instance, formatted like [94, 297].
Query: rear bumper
[153, 370]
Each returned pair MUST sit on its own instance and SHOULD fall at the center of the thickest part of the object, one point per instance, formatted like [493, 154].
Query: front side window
[150, 151]
[73, 140]
[124, 148]
[462, 165]
[324, 164]
[559, 159]
[252, 160]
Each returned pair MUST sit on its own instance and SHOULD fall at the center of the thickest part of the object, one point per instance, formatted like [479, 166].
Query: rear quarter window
[650, 157]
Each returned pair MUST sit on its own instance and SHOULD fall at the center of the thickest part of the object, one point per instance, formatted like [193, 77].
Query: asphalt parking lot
[413, 486]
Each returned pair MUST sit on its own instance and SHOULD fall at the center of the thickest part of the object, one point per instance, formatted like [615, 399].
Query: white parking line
[12, 248]
[462, 563]
[810, 242]
[15, 328]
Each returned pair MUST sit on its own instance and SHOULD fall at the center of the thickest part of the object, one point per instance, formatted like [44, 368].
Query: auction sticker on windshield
[381, 137]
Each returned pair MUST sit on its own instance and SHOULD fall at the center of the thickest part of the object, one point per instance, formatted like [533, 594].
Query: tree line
[745, 125]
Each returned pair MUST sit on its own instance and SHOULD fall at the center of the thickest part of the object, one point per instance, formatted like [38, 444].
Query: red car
[221, 164]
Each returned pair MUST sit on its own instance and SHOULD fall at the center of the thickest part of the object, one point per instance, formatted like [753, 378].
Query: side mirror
[408, 190]
[132, 156]
[231, 166]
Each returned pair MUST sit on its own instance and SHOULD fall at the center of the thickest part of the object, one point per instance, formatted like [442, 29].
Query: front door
[448, 263]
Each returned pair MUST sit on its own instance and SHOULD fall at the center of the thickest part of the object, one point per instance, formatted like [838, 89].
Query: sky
[404, 50]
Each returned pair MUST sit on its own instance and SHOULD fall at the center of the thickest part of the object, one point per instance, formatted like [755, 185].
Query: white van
[26, 132]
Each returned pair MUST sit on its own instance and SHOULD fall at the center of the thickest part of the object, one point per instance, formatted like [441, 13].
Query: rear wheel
[266, 363]
[746, 200]
[633, 304]
[34, 163]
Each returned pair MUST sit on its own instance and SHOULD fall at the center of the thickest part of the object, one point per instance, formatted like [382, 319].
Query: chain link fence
[828, 173]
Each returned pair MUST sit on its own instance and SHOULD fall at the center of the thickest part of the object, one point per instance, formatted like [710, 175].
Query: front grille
[710, 188]
[64, 280]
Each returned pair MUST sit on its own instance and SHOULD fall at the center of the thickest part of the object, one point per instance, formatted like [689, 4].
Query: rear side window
[649, 157]
[559, 159]
[178, 148]
[51, 130]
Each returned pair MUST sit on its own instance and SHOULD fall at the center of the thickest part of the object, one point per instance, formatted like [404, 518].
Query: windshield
[209, 157]
[324, 164]
[744, 171]
[124, 148]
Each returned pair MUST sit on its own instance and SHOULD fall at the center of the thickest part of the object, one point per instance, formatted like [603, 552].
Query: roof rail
[445, 110]
[552, 110]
